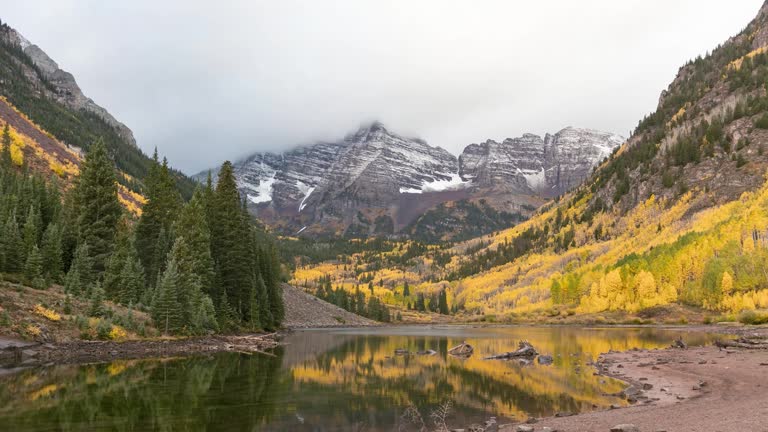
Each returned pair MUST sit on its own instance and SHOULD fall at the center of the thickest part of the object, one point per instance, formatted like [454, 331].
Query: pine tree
[443, 303]
[12, 245]
[83, 264]
[131, 281]
[255, 317]
[33, 269]
[165, 305]
[230, 249]
[97, 308]
[99, 209]
[73, 283]
[157, 219]
[189, 286]
[5, 156]
[31, 230]
[52, 253]
[192, 225]
[406, 290]
[265, 314]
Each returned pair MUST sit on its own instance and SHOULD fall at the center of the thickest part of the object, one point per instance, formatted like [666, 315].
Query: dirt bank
[696, 390]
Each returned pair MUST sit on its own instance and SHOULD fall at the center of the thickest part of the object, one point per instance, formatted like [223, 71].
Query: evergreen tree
[406, 290]
[5, 156]
[97, 308]
[82, 263]
[33, 269]
[98, 207]
[420, 303]
[31, 231]
[12, 245]
[131, 281]
[265, 314]
[165, 305]
[229, 246]
[192, 225]
[52, 253]
[157, 218]
[443, 303]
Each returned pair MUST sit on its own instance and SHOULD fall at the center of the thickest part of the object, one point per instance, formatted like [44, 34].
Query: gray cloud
[207, 81]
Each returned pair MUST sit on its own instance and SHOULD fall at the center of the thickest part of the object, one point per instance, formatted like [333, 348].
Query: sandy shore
[696, 390]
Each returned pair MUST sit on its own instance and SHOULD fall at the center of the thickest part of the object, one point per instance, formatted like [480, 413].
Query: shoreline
[678, 390]
[22, 353]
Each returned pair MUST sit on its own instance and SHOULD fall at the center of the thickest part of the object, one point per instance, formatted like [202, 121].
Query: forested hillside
[31, 91]
[195, 267]
[676, 215]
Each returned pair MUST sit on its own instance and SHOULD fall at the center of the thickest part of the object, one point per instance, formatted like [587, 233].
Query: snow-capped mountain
[375, 179]
[529, 164]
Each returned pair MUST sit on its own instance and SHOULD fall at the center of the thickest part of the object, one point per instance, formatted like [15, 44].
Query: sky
[206, 83]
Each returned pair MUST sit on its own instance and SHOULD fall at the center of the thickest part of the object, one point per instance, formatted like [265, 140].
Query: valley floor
[692, 390]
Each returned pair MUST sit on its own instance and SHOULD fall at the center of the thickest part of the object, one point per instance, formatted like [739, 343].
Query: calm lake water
[329, 380]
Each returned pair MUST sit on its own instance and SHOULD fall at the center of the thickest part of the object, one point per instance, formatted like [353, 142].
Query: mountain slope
[676, 215]
[34, 85]
[375, 181]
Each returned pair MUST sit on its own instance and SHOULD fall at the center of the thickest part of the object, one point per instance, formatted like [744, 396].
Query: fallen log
[524, 350]
[462, 350]
[736, 344]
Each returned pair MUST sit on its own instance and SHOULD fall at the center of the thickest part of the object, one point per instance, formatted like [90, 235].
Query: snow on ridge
[535, 179]
[306, 195]
[454, 183]
[263, 190]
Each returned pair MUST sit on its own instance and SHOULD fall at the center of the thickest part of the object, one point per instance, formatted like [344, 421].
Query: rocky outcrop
[529, 164]
[63, 87]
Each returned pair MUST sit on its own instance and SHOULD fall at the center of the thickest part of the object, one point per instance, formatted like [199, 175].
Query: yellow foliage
[33, 330]
[46, 313]
[117, 333]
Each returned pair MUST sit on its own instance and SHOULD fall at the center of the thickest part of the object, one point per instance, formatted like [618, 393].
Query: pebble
[524, 428]
[647, 386]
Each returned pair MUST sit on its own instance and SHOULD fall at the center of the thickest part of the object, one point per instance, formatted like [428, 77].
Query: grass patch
[752, 317]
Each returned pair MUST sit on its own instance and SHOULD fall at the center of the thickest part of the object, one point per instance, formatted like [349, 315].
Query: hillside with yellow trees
[42, 153]
[675, 219]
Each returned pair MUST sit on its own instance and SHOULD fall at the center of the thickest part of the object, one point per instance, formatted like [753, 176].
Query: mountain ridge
[372, 173]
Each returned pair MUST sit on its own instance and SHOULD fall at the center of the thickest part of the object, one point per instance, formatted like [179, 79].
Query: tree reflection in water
[326, 381]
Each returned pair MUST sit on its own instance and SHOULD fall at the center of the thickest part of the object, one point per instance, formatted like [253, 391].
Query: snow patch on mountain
[455, 182]
[263, 190]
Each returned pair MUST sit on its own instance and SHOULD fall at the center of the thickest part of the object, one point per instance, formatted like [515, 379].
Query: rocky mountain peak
[66, 89]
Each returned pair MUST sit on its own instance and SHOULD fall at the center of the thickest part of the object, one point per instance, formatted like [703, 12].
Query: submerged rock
[545, 359]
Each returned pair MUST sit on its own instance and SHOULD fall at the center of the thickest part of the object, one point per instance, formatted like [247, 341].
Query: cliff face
[63, 87]
[529, 164]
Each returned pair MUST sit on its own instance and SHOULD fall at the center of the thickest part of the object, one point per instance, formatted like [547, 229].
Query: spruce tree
[192, 225]
[83, 264]
[99, 208]
[229, 247]
[443, 303]
[97, 307]
[157, 219]
[31, 231]
[51, 251]
[33, 269]
[165, 305]
[12, 245]
[265, 314]
[131, 281]
[5, 156]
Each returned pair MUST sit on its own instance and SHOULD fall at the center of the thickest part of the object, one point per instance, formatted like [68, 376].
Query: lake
[331, 380]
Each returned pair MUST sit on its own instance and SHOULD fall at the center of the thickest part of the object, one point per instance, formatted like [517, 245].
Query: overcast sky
[207, 81]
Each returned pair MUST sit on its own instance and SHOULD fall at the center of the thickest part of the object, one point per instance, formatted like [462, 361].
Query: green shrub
[753, 317]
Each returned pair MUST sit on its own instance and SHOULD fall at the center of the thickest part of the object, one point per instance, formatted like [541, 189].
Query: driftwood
[462, 350]
[744, 343]
[249, 344]
[679, 343]
[524, 350]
